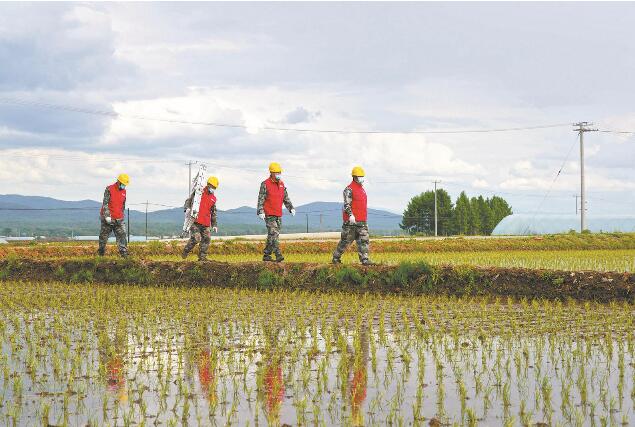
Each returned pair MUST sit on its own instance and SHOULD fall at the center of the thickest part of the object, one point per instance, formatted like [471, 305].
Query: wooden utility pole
[435, 208]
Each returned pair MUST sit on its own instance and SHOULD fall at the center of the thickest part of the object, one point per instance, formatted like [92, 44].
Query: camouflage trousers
[274, 224]
[117, 227]
[198, 234]
[357, 232]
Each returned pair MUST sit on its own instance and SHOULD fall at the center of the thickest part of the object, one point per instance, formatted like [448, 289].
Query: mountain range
[45, 216]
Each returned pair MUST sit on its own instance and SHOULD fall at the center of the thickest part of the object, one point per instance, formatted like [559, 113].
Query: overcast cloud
[377, 66]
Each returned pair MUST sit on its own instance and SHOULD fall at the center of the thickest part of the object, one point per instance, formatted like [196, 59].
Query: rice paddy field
[124, 354]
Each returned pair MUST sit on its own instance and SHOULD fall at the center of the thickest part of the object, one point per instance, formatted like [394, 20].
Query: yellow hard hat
[358, 171]
[123, 178]
[275, 167]
[213, 180]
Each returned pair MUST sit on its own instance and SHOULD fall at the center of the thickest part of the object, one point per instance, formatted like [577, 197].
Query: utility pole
[435, 208]
[307, 223]
[582, 127]
[128, 209]
[146, 220]
[320, 222]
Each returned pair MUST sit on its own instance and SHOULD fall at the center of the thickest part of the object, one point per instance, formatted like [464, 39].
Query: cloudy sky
[354, 66]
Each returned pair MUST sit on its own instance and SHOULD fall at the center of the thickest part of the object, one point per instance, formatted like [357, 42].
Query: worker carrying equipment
[354, 215]
[272, 195]
[112, 215]
[205, 218]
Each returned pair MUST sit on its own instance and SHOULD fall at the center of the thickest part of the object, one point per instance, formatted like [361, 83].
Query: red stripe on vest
[359, 205]
[205, 208]
[275, 196]
[117, 200]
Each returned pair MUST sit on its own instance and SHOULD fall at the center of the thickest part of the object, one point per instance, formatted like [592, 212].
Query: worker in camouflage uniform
[112, 215]
[200, 230]
[272, 195]
[355, 215]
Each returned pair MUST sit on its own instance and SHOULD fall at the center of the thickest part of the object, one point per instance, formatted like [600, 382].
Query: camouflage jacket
[105, 208]
[188, 204]
[262, 196]
[348, 201]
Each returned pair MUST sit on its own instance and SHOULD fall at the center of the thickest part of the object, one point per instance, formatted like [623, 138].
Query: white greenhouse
[527, 224]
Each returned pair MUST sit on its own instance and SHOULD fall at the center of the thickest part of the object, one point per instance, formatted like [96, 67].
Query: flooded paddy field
[147, 355]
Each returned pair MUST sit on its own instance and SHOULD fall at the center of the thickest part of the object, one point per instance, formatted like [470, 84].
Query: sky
[398, 67]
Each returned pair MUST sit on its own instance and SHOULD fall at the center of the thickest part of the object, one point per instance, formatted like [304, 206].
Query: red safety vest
[117, 200]
[359, 205]
[204, 211]
[275, 196]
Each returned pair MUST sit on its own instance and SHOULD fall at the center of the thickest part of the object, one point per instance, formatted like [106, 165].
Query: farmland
[456, 332]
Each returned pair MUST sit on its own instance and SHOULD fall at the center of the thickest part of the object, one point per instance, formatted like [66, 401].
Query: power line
[270, 128]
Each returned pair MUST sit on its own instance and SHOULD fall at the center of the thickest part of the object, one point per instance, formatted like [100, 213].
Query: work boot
[267, 257]
[202, 259]
[336, 261]
[279, 257]
[184, 255]
[124, 255]
[368, 262]
[100, 252]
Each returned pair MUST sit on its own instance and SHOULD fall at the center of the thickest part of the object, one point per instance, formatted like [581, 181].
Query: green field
[599, 260]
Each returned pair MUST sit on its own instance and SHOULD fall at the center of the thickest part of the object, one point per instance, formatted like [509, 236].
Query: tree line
[468, 216]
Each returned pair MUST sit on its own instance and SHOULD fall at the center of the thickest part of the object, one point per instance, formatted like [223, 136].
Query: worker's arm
[188, 202]
[348, 201]
[213, 212]
[262, 196]
[287, 200]
[104, 206]
[124, 208]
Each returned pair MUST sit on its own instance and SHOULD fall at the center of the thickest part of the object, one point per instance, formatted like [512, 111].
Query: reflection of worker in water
[207, 374]
[358, 377]
[113, 353]
[274, 389]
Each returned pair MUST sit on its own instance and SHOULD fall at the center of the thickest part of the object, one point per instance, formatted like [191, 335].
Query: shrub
[268, 280]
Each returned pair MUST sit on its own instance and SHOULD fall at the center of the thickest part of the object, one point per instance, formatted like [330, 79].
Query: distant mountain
[51, 217]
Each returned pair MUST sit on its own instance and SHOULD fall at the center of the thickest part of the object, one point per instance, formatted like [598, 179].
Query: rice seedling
[122, 354]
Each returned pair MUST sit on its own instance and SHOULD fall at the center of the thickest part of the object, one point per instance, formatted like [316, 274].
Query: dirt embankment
[554, 242]
[407, 278]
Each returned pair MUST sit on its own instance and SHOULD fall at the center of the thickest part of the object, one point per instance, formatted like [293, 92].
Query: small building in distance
[528, 224]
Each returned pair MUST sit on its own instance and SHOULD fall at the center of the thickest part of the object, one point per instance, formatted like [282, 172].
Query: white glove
[292, 212]
[108, 220]
[215, 229]
[261, 216]
[351, 219]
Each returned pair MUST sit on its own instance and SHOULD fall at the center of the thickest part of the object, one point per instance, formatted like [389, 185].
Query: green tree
[474, 220]
[419, 214]
[485, 213]
[461, 215]
[500, 209]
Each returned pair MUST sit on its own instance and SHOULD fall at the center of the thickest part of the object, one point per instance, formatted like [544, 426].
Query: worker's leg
[205, 240]
[363, 243]
[276, 243]
[104, 233]
[195, 237]
[347, 237]
[120, 234]
[273, 231]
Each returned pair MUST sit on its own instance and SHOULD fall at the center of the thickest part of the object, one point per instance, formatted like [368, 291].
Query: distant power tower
[581, 128]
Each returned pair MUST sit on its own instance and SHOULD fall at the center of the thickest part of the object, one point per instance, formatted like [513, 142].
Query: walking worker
[355, 215]
[206, 218]
[272, 195]
[112, 215]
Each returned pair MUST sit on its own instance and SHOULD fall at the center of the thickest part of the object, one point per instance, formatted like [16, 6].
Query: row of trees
[475, 216]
